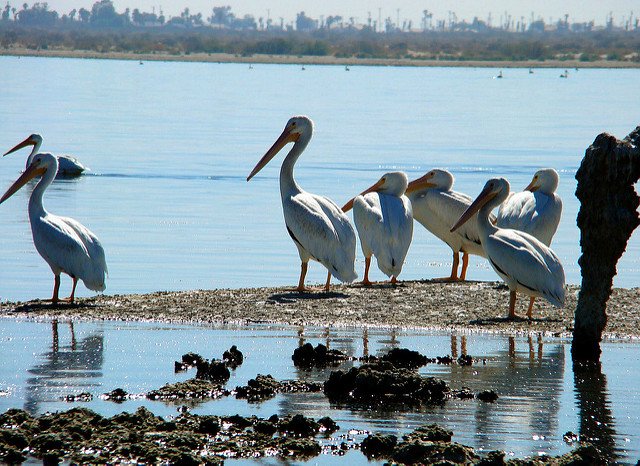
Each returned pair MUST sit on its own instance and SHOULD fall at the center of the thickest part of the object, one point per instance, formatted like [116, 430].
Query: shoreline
[316, 60]
[434, 305]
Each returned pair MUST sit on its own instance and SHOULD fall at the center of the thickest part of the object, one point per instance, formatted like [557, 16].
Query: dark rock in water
[215, 371]
[607, 217]
[465, 360]
[265, 428]
[380, 383]
[189, 389]
[493, 458]
[487, 395]
[117, 395]
[233, 357]
[431, 444]
[403, 357]
[570, 437]
[306, 356]
[80, 397]
[192, 359]
[264, 387]
[429, 433]
[299, 426]
[463, 394]
[378, 445]
[301, 447]
[237, 421]
[328, 424]
[444, 359]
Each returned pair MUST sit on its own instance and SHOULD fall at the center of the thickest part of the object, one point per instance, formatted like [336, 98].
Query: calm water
[170, 146]
[542, 396]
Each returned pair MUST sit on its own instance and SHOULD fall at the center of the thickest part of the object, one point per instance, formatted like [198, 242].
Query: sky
[578, 10]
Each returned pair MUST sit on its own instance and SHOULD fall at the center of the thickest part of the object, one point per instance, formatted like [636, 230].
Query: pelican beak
[532, 187]
[349, 205]
[420, 183]
[286, 137]
[485, 196]
[28, 174]
[25, 143]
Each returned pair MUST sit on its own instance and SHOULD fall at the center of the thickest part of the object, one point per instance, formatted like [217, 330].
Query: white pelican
[536, 210]
[382, 215]
[436, 206]
[65, 244]
[68, 166]
[523, 262]
[319, 229]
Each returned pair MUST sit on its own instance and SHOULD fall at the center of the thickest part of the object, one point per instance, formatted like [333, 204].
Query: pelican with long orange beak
[524, 263]
[64, 243]
[319, 229]
[436, 206]
[382, 214]
[68, 167]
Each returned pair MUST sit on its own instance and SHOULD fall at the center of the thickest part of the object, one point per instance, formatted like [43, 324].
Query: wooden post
[607, 217]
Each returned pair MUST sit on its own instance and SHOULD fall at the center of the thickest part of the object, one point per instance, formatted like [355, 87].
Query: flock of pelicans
[515, 242]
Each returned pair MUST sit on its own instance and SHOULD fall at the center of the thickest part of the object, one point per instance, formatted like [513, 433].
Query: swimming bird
[436, 206]
[524, 263]
[537, 209]
[382, 214]
[64, 243]
[69, 167]
[319, 229]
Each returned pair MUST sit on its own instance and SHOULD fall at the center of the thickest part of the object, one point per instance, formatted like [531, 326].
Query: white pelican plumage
[536, 210]
[436, 206]
[524, 263]
[68, 166]
[65, 244]
[382, 214]
[319, 229]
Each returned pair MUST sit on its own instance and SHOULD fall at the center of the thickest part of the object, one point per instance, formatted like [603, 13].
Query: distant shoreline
[316, 60]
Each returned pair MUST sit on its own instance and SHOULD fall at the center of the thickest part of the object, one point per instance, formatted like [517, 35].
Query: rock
[299, 426]
[233, 357]
[189, 389]
[606, 179]
[117, 395]
[488, 396]
[215, 371]
[493, 458]
[403, 357]
[431, 444]
[265, 428]
[378, 445]
[192, 359]
[429, 433]
[380, 383]
[465, 360]
[264, 387]
[328, 424]
[306, 356]
[80, 397]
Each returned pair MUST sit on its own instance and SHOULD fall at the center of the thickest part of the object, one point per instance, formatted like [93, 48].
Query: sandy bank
[315, 60]
[475, 306]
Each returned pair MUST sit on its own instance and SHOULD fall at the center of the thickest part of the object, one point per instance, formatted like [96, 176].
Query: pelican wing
[69, 246]
[527, 263]
[385, 228]
[535, 213]
[323, 231]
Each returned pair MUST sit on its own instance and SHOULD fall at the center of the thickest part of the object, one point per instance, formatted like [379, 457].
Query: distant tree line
[103, 29]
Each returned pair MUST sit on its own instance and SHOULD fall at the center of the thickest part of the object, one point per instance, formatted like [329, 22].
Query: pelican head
[436, 178]
[494, 193]
[33, 140]
[545, 180]
[392, 183]
[38, 166]
[295, 127]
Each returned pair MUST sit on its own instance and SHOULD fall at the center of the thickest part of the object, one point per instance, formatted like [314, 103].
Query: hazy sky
[578, 10]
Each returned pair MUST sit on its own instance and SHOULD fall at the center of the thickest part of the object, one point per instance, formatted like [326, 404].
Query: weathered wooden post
[607, 217]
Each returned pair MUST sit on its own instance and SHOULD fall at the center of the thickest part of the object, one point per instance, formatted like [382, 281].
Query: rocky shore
[468, 306]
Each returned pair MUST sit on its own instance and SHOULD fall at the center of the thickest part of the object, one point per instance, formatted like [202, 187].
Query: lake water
[170, 145]
[542, 395]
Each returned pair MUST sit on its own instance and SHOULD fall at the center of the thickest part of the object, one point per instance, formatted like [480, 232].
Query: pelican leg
[367, 264]
[465, 264]
[73, 290]
[512, 305]
[303, 273]
[56, 289]
[454, 269]
[531, 301]
[326, 285]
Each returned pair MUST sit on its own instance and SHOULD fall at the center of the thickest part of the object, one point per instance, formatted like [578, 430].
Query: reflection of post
[54, 335]
[540, 347]
[73, 336]
[454, 346]
[327, 336]
[463, 344]
[365, 342]
[512, 349]
[596, 419]
[301, 337]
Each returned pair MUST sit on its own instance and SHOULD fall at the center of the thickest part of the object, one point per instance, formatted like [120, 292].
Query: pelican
[68, 166]
[319, 229]
[523, 262]
[383, 218]
[65, 244]
[436, 206]
[536, 210]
